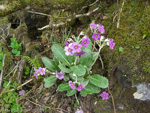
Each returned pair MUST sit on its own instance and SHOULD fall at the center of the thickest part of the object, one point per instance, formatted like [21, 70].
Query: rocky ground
[127, 67]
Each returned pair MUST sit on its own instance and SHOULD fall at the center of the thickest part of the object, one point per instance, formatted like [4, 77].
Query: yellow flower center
[76, 47]
[59, 74]
[95, 35]
[104, 95]
[85, 42]
[69, 50]
[101, 29]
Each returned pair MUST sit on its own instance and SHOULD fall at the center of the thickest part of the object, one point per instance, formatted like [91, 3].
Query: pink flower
[101, 29]
[85, 42]
[79, 111]
[41, 71]
[93, 26]
[59, 75]
[22, 92]
[96, 36]
[80, 53]
[76, 47]
[66, 43]
[111, 44]
[90, 69]
[72, 84]
[68, 50]
[104, 96]
[80, 87]
[36, 75]
[36, 70]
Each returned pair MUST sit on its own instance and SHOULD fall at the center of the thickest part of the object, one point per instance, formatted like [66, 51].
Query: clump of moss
[134, 22]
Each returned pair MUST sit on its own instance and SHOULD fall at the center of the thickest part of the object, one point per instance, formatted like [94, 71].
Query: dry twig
[45, 106]
[1, 76]
[22, 84]
[12, 70]
[43, 14]
[88, 5]
[120, 13]
[68, 20]
[112, 100]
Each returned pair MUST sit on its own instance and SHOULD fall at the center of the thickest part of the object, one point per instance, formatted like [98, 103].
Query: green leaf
[56, 61]
[87, 90]
[49, 63]
[71, 92]
[96, 89]
[74, 78]
[14, 51]
[18, 53]
[99, 81]
[120, 49]
[5, 83]
[59, 53]
[66, 78]
[13, 39]
[95, 55]
[71, 59]
[137, 47]
[83, 81]
[64, 68]
[27, 70]
[144, 36]
[86, 59]
[64, 87]
[1, 56]
[49, 81]
[1, 49]
[79, 70]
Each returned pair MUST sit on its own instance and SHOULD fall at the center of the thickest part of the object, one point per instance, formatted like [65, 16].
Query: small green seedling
[121, 49]
[144, 36]
[16, 48]
[124, 75]
[1, 58]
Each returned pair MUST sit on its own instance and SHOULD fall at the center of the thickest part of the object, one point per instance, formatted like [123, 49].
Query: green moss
[8, 55]
[134, 22]
[4, 21]
[146, 66]
[8, 59]
[101, 103]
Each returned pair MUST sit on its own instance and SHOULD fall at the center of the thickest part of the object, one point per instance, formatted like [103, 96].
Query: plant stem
[77, 100]
[22, 84]
[96, 57]
[93, 46]
[76, 60]
[112, 100]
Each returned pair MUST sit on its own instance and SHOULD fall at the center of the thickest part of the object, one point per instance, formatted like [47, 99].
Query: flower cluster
[79, 88]
[74, 47]
[98, 36]
[39, 71]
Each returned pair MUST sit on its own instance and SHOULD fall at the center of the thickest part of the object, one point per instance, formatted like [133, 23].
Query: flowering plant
[73, 63]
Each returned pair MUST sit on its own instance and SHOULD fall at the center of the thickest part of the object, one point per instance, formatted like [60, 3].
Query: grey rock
[144, 90]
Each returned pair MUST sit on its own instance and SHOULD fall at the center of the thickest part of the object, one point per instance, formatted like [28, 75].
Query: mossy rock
[134, 23]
